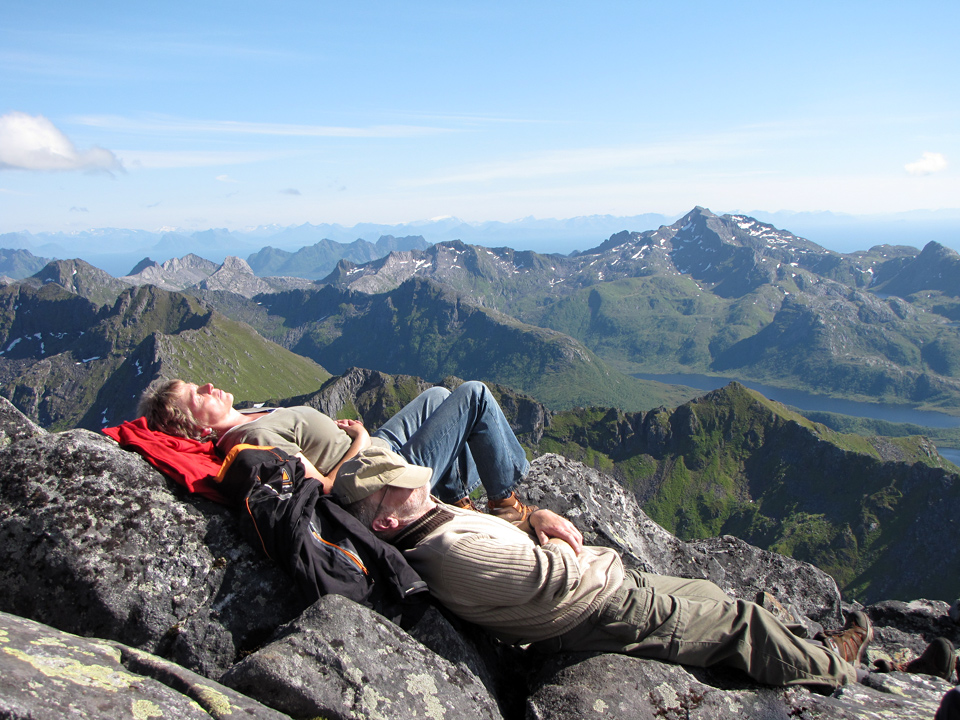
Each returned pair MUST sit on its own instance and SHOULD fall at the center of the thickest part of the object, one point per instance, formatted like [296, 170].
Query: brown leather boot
[850, 642]
[939, 659]
[511, 509]
[466, 503]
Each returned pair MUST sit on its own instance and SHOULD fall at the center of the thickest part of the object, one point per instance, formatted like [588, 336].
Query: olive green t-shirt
[296, 429]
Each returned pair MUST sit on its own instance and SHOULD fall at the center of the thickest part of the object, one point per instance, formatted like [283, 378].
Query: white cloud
[176, 125]
[290, 191]
[226, 179]
[30, 142]
[165, 160]
[927, 164]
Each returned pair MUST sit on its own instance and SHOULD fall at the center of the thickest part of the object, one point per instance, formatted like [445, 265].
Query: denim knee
[434, 396]
[473, 387]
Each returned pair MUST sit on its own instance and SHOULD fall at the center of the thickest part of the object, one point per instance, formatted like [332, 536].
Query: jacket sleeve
[485, 571]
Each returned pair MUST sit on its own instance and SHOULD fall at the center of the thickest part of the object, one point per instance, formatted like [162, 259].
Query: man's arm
[550, 527]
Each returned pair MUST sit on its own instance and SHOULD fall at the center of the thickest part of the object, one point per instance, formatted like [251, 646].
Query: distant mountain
[848, 233]
[319, 259]
[215, 244]
[728, 294]
[79, 277]
[174, 274]
[199, 276]
[18, 264]
[936, 268]
[727, 253]
[544, 234]
[117, 250]
[67, 361]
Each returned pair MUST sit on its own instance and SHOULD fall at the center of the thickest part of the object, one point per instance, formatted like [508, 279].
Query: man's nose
[208, 388]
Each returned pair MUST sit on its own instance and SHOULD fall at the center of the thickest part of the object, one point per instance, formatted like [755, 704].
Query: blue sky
[198, 115]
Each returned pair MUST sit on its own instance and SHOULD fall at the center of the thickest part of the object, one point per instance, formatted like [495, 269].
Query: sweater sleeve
[481, 570]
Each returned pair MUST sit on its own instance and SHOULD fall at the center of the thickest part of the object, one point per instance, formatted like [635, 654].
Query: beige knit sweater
[494, 574]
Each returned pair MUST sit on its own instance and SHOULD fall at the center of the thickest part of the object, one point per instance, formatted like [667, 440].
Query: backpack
[322, 546]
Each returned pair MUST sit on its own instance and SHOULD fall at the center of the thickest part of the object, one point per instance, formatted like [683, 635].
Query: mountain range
[116, 250]
[708, 294]
[724, 295]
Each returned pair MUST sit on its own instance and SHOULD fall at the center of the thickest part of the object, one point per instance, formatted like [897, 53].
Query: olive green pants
[693, 622]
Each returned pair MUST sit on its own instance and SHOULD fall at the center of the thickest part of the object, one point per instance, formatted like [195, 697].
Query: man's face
[411, 503]
[209, 406]
[402, 503]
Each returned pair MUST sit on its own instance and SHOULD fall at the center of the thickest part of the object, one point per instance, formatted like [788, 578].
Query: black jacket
[322, 546]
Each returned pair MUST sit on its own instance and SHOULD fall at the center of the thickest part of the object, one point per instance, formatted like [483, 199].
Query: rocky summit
[122, 596]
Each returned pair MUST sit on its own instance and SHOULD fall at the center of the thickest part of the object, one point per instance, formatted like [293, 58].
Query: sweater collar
[416, 531]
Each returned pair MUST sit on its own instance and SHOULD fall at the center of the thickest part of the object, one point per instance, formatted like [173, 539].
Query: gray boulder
[96, 542]
[45, 673]
[14, 425]
[615, 686]
[341, 660]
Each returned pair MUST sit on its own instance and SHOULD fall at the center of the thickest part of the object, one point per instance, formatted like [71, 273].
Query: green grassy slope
[68, 362]
[733, 462]
[424, 329]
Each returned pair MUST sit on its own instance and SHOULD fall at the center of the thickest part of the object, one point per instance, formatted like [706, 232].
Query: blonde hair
[163, 407]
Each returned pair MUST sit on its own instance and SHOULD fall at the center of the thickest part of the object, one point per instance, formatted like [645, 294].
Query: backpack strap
[240, 471]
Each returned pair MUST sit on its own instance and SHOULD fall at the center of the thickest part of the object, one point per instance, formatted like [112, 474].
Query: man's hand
[547, 524]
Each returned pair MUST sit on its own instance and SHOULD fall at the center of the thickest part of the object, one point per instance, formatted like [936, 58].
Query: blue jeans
[463, 436]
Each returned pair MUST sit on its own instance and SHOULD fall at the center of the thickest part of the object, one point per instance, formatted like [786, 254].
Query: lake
[811, 402]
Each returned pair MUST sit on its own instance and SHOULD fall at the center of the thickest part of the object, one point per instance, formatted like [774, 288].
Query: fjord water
[811, 402]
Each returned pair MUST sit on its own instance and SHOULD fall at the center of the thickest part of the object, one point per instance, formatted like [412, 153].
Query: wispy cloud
[180, 126]
[160, 159]
[290, 191]
[32, 142]
[928, 164]
[604, 159]
[226, 179]
[78, 209]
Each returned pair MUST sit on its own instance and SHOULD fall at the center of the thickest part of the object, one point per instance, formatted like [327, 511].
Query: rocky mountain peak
[935, 251]
[936, 268]
[174, 274]
[235, 276]
[143, 265]
[80, 278]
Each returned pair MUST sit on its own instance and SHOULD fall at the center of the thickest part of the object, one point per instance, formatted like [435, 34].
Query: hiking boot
[466, 503]
[938, 660]
[511, 509]
[850, 642]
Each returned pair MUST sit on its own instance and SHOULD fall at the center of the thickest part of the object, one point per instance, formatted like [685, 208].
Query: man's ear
[388, 522]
